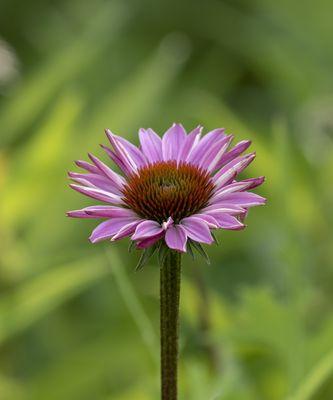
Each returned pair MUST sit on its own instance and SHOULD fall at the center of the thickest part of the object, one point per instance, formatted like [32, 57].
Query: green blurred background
[76, 321]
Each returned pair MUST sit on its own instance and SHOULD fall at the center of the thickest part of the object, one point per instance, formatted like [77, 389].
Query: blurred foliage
[76, 322]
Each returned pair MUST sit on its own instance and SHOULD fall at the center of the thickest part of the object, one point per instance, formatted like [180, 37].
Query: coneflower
[174, 192]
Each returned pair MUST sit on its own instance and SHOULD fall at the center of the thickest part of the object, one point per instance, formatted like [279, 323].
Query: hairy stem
[170, 273]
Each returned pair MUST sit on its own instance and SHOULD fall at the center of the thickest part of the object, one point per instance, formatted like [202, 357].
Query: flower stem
[170, 273]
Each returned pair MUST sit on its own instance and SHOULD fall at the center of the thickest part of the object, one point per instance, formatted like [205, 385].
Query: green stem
[170, 272]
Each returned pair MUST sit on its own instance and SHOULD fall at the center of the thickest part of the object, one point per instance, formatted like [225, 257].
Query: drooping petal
[116, 179]
[191, 140]
[208, 219]
[147, 229]
[214, 153]
[126, 230]
[233, 168]
[197, 230]
[145, 243]
[109, 228]
[234, 152]
[243, 199]
[172, 142]
[204, 144]
[175, 238]
[98, 194]
[151, 145]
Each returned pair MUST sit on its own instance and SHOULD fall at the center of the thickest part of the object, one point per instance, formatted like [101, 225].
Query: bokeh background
[76, 321]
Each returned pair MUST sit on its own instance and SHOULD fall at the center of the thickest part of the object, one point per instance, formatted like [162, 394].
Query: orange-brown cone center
[163, 189]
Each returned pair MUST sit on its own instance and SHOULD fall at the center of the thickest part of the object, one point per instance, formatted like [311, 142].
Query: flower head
[175, 189]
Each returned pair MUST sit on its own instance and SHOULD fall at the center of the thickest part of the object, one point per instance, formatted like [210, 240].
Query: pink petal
[204, 145]
[108, 228]
[98, 194]
[116, 179]
[244, 215]
[151, 145]
[165, 225]
[172, 142]
[254, 182]
[221, 207]
[88, 167]
[136, 154]
[109, 212]
[236, 187]
[145, 243]
[117, 160]
[234, 152]
[234, 167]
[175, 238]
[126, 230]
[243, 199]
[147, 229]
[208, 219]
[214, 153]
[229, 222]
[94, 180]
[197, 229]
[101, 212]
[191, 140]
[122, 151]
[79, 214]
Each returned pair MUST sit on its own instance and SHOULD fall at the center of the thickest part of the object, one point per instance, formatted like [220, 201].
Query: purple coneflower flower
[178, 188]
[175, 191]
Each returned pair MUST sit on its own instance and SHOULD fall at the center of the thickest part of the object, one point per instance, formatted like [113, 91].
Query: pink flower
[176, 188]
